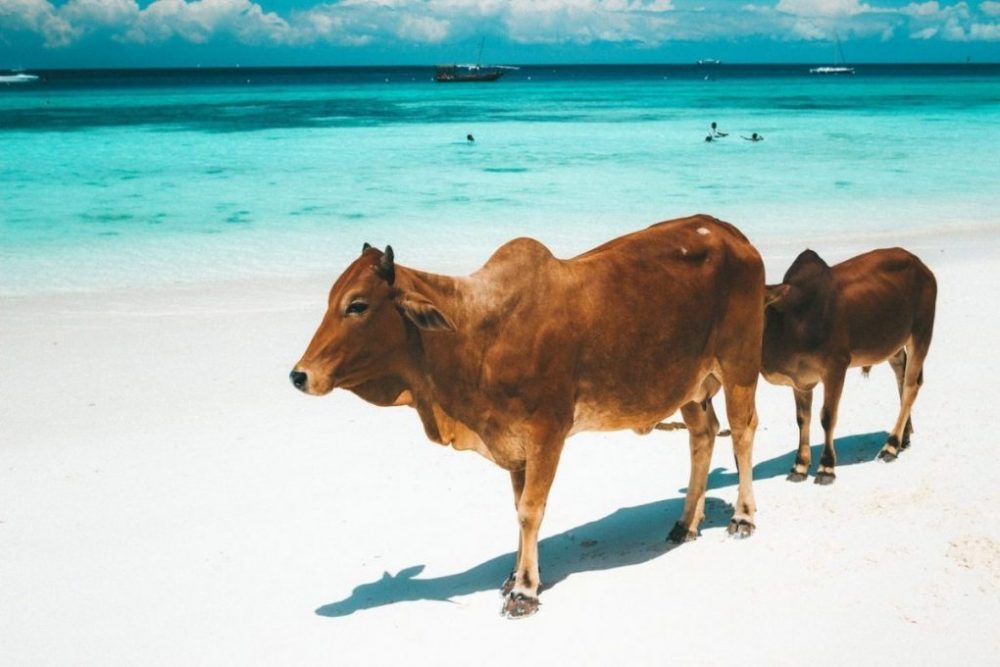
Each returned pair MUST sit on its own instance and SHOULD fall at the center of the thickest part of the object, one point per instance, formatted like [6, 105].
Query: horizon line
[424, 65]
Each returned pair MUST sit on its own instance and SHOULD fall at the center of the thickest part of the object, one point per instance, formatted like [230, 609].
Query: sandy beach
[167, 498]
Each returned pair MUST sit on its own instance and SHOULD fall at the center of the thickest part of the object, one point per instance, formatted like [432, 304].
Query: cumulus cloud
[586, 21]
[201, 20]
[822, 7]
[955, 23]
[37, 16]
[415, 22]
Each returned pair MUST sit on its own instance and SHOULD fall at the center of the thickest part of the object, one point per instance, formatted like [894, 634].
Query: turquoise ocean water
[122, 179]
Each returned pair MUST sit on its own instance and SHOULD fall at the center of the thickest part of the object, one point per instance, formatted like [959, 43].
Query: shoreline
[830, 246]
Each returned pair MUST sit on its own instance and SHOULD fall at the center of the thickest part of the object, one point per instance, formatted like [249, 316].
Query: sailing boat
[839, 63]
[470, 73]
[18, 77]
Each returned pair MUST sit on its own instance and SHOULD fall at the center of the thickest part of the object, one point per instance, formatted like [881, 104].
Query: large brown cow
[821, 320]
[530, 349]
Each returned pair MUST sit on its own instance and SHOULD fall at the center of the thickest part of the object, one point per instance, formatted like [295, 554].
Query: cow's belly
[632, 410]
[602, 418]
[800, 372]
[779, 378]
[873, 356]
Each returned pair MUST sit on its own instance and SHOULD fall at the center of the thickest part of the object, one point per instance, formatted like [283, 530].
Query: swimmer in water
[754, 137]
[715, 131]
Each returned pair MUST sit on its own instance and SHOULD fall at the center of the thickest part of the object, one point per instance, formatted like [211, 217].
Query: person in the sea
[471, 139]
[708, 138]
[754, 137]
[715, 131]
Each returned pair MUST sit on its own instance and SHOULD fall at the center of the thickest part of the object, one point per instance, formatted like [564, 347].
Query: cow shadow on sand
[628, 536]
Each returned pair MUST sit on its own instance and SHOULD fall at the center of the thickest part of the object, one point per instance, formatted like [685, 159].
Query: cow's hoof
[740, 528]
[680, 534]
[825, 478]
[905, 444]
[508, 584]
[796, 476]
[885, 456]
[519, 605]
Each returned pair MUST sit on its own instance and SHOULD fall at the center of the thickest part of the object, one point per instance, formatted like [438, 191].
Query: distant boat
[709, 61]
[469, 73]
[839, 62]
[831, 70]
[19, 77]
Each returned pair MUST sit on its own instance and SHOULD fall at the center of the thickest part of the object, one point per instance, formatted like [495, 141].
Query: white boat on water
[19, 77]
[831, 70]
[839, 65]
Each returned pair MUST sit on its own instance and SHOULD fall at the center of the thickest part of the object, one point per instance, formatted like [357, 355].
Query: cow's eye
[357, 307]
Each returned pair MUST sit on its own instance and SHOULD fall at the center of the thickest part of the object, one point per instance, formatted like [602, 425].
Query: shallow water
[117, 179]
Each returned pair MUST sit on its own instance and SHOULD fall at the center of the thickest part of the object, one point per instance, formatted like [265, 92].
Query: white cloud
[984, 32]
[363, 22]
[822, 7]
[955, 23]
[200, 20]
[38, 16]
[990, 8]
[23, 14]
[921, 9]
[422, 29]
[94, 13]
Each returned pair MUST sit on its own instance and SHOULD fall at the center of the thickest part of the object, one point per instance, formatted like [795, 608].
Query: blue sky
[123, 33]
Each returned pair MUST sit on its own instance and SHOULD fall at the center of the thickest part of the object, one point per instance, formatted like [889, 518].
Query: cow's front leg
[833, 386]
[803, 416]
[540, 470]
[517, 483]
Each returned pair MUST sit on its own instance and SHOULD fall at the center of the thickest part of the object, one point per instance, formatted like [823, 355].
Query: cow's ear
[423, 313]
[775, 294]
[365, 246]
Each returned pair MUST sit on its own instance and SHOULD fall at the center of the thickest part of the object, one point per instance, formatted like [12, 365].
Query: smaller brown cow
[822, 320]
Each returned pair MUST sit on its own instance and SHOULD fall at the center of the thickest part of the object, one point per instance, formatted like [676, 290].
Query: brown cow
[530, 349]
[821, 320]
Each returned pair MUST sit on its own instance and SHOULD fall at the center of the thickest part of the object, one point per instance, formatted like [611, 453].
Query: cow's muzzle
[299, 379]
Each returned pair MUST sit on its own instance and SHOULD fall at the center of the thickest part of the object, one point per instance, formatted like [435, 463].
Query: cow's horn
[366, 246]
[386, 268]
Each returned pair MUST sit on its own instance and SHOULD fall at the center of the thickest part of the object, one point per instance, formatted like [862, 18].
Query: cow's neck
[444, 291]
[437, 371]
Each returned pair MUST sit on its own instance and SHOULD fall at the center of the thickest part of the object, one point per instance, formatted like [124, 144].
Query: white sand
[167, 498]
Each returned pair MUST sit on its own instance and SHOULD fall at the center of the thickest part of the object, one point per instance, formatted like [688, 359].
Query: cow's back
[883, 296]
[657, 299]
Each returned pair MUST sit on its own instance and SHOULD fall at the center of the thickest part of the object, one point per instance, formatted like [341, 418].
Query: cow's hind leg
[742, 412]
[913, 378]
[517, 483]
[702, 425]
[803, 416]
[522, 598]
[833, 387]
[898, 364]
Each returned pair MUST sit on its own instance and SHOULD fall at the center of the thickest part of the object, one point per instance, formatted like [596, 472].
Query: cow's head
[803, 299]
[808, 280]
[364, 335]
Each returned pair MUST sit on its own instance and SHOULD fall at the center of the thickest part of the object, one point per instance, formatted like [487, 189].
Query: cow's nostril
[298, 378]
